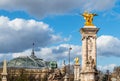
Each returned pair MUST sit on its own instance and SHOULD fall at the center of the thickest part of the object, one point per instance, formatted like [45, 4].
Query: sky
[53, 25]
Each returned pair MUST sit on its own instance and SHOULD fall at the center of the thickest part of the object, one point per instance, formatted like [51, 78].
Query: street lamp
[69, 62]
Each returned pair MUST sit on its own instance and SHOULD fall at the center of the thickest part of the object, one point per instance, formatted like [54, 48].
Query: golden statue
[76, 60]
[89, 18]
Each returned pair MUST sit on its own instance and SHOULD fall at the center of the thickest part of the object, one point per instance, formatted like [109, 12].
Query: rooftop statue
[76, 60]
[89, 18]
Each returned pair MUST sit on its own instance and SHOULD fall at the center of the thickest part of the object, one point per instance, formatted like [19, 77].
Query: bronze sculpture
[89, 18]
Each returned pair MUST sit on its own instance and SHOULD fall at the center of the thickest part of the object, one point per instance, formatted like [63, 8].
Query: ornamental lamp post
[69, 62]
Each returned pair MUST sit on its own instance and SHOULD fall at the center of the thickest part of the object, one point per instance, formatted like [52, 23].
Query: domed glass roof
[27, 62]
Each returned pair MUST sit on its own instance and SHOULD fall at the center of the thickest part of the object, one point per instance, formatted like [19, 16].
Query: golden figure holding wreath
[89, 18]
[76, 60]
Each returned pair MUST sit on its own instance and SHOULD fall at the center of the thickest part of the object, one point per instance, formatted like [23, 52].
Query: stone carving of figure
[55, 76]
[91, 63]
[89, 18]
[50, 77]
[63, 69]
[76, 60]
[63, 64]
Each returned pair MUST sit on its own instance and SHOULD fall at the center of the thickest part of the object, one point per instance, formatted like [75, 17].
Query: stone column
[84, 53]
[89, 36]
[77, 72]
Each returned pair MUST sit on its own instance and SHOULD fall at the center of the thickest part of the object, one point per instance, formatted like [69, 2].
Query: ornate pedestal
[77, 72]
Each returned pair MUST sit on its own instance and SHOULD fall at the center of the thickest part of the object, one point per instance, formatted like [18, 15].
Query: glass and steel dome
[30, 62]
[27, 62]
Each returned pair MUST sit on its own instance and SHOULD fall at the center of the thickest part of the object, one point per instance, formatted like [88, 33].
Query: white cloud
[46, 7]
[109, 67]
[17, 35]
[108, 46]
[5, 56]
[57, 53]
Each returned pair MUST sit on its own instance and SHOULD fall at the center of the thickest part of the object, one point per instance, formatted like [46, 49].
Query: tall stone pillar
[4, 73]
[77, 72]
[88, 71]
[89, 36]
[76, 69]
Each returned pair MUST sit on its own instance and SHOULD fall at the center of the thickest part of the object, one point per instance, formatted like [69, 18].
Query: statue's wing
[81, 14]
[95, 14]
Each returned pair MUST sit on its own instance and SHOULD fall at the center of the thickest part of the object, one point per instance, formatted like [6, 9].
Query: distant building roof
[29, 62]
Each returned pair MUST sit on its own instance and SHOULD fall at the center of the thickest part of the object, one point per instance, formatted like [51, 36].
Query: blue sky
[54, 26]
